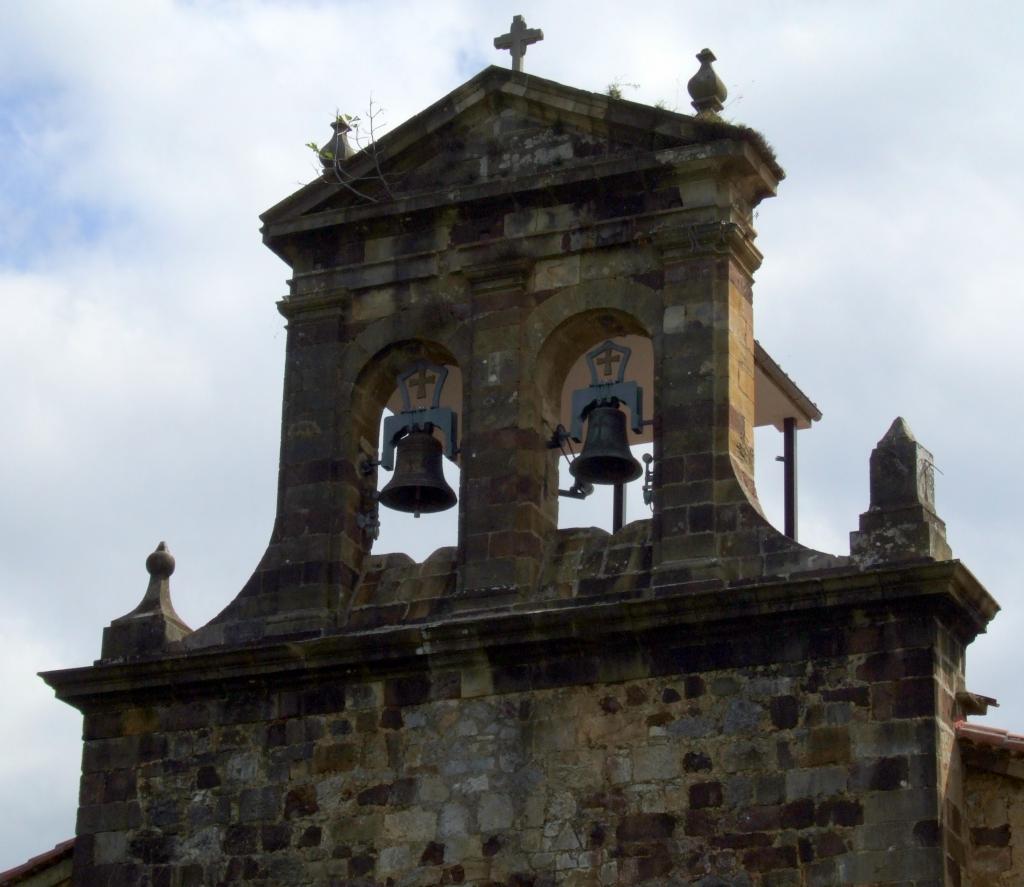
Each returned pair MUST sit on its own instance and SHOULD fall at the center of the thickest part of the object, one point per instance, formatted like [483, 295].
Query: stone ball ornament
[161, 562]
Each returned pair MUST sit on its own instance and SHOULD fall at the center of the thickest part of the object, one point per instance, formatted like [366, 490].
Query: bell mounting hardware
[606, 458]
[418, 485]
[426, 418]
[610, 390]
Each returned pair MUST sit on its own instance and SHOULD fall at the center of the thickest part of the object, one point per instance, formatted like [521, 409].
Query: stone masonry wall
[950, 667]
[799, 752]
[995, 825]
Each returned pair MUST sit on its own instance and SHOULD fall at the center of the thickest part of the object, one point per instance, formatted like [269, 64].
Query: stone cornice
[707, 156]
[363, 275]
[681, 242]
[680, 234]
[325, 303]
[649, 129]
[947, 589]
[496, 276]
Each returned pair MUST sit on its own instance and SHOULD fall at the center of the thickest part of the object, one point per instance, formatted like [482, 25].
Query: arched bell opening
[409, 408]
[597, 369]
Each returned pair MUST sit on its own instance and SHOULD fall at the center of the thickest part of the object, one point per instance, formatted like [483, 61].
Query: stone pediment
[501, 131]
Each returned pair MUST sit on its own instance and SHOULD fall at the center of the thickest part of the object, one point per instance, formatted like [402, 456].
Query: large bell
[606, 458]
[418, 484]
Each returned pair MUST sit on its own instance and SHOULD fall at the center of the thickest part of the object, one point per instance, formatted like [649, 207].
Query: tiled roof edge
[993, 737]
[50, 857]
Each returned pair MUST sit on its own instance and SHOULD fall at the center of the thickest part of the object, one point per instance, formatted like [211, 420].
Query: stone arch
[375, 383]
[373, 360]
[571, 322]
[413, 324]
[372, 387]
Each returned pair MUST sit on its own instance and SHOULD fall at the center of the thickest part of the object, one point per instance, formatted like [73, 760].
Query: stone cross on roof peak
[517, 39]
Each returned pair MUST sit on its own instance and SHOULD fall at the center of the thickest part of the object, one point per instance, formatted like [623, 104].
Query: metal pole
[789, 475]
[618, 507]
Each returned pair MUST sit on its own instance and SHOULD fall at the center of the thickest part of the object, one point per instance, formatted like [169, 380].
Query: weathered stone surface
[464, 262]
[993, 814]
[557, 780]
[901, 523]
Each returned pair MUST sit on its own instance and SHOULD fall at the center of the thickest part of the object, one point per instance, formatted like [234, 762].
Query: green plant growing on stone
[614, 89]
[334, 156]
[327, 153]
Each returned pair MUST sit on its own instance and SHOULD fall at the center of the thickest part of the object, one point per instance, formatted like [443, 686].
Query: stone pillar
[320, 485]
[901, 523]
[504, 514]
[705, 391]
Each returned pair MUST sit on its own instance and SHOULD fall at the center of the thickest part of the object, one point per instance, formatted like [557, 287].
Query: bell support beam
[618, 507]
[789, 477]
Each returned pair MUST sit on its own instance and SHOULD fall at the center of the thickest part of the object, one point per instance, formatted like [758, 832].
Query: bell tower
[550, 247]
[525, 272]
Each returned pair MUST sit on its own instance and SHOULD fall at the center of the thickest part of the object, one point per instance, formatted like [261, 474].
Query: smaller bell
[606, 458]
[418, 485]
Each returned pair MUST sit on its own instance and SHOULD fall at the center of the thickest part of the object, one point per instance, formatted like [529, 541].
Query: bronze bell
[418, 484]
[606, 458]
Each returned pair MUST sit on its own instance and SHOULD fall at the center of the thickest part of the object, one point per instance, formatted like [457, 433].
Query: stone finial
[705, 87]
[338, 148]
[900, 523]
[902, 471]
[153, 624]
[160, 563]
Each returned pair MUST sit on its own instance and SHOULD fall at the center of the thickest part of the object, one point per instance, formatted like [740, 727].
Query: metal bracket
[558, 437]
[648, 488]
[425, 420]
[628, 393]
[579, 490]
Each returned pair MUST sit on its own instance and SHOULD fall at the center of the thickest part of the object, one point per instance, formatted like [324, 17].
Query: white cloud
[42, 746]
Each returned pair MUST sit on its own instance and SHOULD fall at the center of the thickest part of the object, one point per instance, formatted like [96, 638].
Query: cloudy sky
[141, 353]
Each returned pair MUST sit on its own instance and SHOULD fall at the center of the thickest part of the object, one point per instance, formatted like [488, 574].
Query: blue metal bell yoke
[613, 391]
[412, 419]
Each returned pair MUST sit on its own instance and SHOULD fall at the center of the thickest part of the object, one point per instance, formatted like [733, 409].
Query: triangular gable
[547, 127]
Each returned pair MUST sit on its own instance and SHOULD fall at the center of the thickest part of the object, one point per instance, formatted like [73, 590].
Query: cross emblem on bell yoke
[517, 39]
[607, 359]
[420, 382]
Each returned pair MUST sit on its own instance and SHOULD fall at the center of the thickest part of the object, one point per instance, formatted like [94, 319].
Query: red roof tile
[994, 737]
[50, 857]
